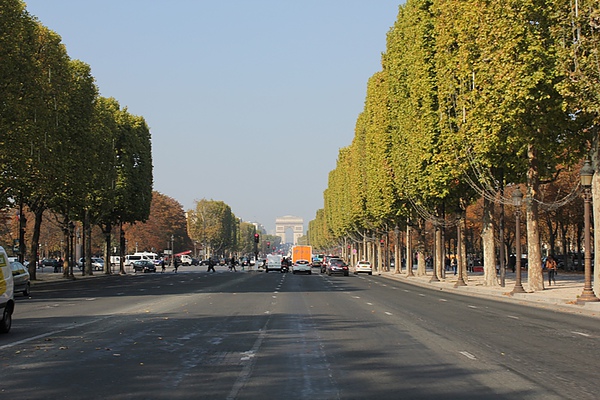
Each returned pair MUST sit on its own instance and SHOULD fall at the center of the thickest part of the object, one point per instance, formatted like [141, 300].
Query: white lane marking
[274, 297]
[356, 297]
[471, 306]
[370, 304]
[580, 333]
[443, 300]
[246, 371]
[513, 317]
[421, 294]
[247, 355]
[468, 355]
[388, 313]
[407, 291]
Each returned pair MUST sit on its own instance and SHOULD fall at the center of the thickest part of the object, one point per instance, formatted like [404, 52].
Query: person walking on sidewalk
[551, 267]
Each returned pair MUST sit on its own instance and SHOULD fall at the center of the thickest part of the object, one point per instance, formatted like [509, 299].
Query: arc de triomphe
[289, 221]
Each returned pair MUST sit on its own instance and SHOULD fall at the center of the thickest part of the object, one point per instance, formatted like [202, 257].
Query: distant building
[296, 224]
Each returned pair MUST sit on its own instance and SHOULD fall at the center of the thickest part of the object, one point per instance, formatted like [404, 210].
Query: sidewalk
[47, 275]
[561, 296]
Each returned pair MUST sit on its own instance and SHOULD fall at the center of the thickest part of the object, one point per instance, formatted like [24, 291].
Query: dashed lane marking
[468, 355]
[581, 333]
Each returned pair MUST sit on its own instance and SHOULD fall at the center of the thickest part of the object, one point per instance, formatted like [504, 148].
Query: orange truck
[302, 253]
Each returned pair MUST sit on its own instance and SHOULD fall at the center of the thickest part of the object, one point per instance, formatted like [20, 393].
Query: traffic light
[256, 237]
[268, 244]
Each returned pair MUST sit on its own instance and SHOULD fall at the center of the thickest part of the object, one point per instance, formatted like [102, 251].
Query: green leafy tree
[213, 224]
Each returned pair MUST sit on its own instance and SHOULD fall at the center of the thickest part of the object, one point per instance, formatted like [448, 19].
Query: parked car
[337, 266]
[51, 262]
[97, 263]
[363, 266]
[7, 299]
[20, 278]
[301, 266]
[143, 266]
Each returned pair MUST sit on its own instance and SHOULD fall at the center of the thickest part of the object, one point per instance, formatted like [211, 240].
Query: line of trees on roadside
[63, 147]
[474, 100]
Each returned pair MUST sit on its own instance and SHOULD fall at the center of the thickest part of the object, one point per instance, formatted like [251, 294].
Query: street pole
[172, 252]
[517, 198]
[586, 174]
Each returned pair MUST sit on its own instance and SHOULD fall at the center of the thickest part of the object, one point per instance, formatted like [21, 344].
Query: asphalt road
[226, 335]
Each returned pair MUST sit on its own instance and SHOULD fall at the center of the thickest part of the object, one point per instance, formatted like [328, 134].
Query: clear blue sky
[248, 101]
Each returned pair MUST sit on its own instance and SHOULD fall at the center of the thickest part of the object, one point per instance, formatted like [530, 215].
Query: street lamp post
[397, 253]
[517, 200]
[586, 174]
[172, 252]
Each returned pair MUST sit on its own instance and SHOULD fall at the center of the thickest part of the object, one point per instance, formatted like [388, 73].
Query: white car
[364, 267]
[7, 299]
[97, 263]
[301, 266]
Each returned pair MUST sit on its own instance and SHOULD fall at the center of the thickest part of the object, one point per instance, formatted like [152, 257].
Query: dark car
[55, 264]
[337, 266]
[20, 278]
[144, 266]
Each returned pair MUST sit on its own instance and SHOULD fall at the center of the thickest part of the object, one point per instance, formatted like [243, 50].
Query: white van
[273, 263]
[7, 299]
[129, 259]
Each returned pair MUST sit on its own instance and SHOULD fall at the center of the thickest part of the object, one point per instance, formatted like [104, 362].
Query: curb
[591, 309]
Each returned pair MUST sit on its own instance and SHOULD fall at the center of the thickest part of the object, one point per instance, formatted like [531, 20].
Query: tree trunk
[87, 243]
[463, 248]
[35, 240]
[421, 266]
[122, 250]
[534, 255]
[595, 158]
[438, 264]
[489, 244]
[107, 229]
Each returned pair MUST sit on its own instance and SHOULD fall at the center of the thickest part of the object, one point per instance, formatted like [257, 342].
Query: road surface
[251, 335]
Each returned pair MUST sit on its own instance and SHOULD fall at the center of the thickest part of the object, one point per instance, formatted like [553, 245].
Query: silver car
[20, 278]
